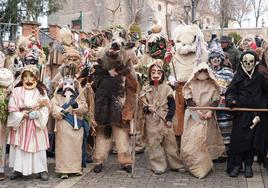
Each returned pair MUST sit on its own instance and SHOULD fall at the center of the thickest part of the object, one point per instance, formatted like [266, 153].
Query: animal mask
[185, 38]
[66, 36]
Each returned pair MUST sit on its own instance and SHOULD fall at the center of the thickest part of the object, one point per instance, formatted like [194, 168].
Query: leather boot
[248, 172]
[235, 171]
[98, 168]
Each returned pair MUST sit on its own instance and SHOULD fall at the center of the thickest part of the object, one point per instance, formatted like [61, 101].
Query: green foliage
[235, 36]
[3, 106]
[46, 51]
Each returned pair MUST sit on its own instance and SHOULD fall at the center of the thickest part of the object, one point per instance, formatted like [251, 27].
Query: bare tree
[240, 8]
[259, 7]
[98, 12]
[134, 8]
[114, 10]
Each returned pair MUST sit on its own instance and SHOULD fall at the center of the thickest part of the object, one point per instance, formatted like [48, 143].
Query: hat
[225, 39]
[33, 69]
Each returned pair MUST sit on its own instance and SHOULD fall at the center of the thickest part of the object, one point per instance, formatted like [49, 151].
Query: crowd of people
[187, 102]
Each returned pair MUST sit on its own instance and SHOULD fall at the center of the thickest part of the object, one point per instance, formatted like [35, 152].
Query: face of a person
[28, 80]
[224, 44]
[12, 47]
[202, 74]
[248, 62]
[156, 73]
[215, 62]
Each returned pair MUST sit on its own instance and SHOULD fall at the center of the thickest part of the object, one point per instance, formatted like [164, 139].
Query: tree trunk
[256, 21]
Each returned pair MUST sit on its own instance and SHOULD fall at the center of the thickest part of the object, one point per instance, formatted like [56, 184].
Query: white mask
[248, 62]
[202, 75]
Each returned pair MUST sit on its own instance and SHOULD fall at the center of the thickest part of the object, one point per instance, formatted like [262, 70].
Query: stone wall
[243, 32]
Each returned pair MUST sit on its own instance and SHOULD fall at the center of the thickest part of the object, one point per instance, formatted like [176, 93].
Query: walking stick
[154, 111]
[133, 135]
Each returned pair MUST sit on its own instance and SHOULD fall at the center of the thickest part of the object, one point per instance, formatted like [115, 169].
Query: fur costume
[189, 48]
[115, 88]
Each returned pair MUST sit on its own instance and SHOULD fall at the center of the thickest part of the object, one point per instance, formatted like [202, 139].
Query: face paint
[156, 74]
[28, 80]
[202, 75]
[215, 62]
[248, 62]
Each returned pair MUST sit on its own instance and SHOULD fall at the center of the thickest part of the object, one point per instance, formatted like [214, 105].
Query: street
[112, 176]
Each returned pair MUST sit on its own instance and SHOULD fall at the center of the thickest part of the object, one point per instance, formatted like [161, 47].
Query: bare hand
[112, 72]
[201, 115]
[169, 124]
[208, 115]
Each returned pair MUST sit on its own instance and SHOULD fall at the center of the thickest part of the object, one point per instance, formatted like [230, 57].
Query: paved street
[113, 176]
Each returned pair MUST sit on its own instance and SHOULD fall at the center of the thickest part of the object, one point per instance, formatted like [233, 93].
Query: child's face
[156, 73]
[215, 62]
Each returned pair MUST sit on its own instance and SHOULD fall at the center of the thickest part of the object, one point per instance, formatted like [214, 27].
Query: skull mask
[248, 64]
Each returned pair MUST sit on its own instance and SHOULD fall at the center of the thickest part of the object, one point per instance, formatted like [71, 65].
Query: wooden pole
[230, 109]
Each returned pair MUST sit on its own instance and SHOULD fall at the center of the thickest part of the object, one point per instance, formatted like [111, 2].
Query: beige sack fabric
[194, 151]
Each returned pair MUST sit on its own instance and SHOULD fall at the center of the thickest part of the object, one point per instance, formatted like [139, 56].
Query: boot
[98, 168]
[127, 168]
[15, 175]
[235, 171]
[248, 172]
[2, 176]
[44, 176]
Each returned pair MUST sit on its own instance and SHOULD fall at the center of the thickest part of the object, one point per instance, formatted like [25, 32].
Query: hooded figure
[28, 115]
[162, 145]
[248, 89]
[71, 129]
[201, 139]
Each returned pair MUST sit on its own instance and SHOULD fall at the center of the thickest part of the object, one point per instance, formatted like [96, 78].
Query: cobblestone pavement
[112, 176]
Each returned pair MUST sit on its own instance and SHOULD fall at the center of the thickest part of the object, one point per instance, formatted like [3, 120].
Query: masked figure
[115, 88]
[201, 140]
[28, 115]
[162, 146]
[189, 45]
[248, 89]
[68, 109]
[10, 55]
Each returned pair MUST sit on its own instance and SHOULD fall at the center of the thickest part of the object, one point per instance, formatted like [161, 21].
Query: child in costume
[248, 89]
[158, 98]
[68, 108]
[28, 115]
[224, 76]
[201, 140]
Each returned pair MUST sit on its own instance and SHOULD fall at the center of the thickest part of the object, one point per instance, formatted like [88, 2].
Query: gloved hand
[33, 115]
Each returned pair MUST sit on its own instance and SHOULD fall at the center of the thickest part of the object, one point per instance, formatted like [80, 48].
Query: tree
[114, 10]
[33, 9]
[98, 12]
[240, 8]
[259, 7]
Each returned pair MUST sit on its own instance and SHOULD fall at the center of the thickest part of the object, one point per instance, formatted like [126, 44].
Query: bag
[194, 151]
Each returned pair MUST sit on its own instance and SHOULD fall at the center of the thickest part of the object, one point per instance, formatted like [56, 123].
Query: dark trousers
[246, 157]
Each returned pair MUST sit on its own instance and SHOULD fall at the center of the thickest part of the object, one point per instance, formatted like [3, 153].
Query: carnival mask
[17, 67]
[157, 49]
[248, 62]
[29, 80]
[202, 74]
[156, 74]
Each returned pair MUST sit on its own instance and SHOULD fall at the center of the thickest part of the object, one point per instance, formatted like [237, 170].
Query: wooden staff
[230, 109]
[154, 111]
